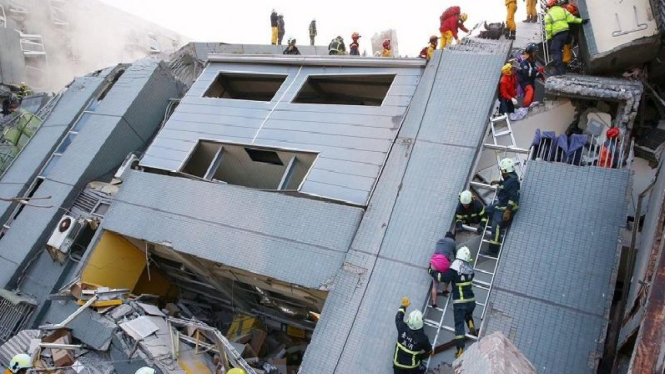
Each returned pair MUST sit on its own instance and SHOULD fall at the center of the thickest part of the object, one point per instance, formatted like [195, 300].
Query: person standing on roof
[412, 343]
[274, 22]
[431, 47]
[573, 33]
[19, 364]
[511, 26]
[531, 12]
[291, 49]
[464, 301]
[508, 195]
[280, 29]
[312, 32]
[557, 31]
[387, 49]
[452, 20]
[469, 211]
[507, 90]
[354, 47]
[337, 46]
[526, 77]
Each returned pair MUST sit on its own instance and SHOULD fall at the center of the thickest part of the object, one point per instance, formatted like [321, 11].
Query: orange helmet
[552, 3]
[355, 35]
[386, 43]
[572, 9]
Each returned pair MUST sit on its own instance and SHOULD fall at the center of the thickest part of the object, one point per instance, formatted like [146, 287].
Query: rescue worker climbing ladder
[469, 211]
[508, 194]
[557, 32]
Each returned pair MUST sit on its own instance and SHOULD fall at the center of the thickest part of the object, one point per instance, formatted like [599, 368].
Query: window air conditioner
[130, 162]
[65, 233]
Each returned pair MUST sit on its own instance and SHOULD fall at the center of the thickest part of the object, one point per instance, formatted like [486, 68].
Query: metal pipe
[318, 60]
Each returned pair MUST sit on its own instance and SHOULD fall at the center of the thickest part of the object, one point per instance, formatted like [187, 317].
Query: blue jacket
[508, 193]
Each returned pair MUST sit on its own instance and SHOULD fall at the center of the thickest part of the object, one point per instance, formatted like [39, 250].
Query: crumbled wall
[493, 354]
[626, 92]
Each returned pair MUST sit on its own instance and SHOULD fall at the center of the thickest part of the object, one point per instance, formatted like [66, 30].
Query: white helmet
[20, 361]
[146, 370]
[463, 254]
[507, 165]
[465, 197]
[415, 320]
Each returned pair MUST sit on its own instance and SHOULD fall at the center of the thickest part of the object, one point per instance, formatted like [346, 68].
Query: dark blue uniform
[473, 214]
[508, 196]
[412, 346]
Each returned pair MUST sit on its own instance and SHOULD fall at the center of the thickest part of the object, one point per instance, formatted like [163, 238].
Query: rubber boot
[472, 329]
[513, 34]
[528, 19]
[459, 352]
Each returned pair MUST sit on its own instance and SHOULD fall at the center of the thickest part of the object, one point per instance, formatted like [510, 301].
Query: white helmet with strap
[20, 361]
[465, 197]
[415, 320]
[146, 370]
[463, 254]
[507, 165]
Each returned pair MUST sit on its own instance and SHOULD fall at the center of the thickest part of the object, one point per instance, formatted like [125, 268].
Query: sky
[248, 22]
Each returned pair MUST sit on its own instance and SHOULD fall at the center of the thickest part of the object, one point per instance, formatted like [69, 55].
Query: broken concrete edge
[628, 93]
[493, 354]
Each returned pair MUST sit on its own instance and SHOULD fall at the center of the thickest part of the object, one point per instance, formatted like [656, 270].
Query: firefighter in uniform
[412, 343]
[508, 195]
[464, 302]
[469, 211]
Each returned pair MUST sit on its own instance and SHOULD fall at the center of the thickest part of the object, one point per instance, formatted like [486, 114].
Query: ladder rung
[481, 304]
[486, 256]
[481, 284]
[483, 271]
[506, 148]
[498, 118]
[483, 185]
[502, 133]
[431, 323]
[452, 329]
[437, 308]
[470, 228]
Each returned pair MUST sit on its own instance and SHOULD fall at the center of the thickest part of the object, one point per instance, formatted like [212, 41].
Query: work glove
[506, 215]
[514, 100]
[585, 21]
[494, 182]
[541, 69]
[406, 302]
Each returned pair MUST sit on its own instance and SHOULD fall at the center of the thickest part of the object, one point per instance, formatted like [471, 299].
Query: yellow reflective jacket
[557, 20]
[511, 1]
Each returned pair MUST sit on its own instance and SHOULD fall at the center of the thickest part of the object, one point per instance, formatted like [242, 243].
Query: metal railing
[595, 151]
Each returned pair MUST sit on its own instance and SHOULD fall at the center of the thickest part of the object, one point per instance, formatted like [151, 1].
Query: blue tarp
[576, 145]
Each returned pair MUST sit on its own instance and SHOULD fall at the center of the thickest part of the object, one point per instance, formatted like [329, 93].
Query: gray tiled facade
[555, 281]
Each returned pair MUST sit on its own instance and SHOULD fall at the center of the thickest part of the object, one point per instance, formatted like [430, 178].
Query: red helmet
[386, 43]
[552, 3]
[613, 133]
[572, 9]
[355, 35]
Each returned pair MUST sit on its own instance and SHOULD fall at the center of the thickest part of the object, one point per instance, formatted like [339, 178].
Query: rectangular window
[345, 89]
[257, 87]
[249, 166]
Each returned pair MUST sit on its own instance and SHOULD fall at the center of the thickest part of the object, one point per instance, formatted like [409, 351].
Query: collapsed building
[237, 207]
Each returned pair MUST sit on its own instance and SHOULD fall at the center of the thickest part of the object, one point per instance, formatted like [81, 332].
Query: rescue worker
[452, 20]
[573, 34]
[312, 32]
[291, 49]
[19, 364]
[444, 255]
[507, 90]
[511, 26]
[280, 29]
[431, 46]
[526, 76]
[336, 46]
[412, 343]
[387, 49]
[274, 18]
[461, 275]
[508, 195]
[146, 370]
[354, 47]
[531, 12]
[469, 211]
[10, 104]
[23, 91]
[557, 31]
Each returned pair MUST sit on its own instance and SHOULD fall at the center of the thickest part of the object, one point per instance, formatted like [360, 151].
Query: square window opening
[255, 167]
[241, 86]
[369, 90]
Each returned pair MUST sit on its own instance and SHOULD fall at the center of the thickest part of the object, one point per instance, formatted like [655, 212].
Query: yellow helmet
[463, 17]
[507, 69]
[236, 371]
[20, 361]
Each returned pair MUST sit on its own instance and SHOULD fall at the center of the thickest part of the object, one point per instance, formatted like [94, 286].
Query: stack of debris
[110, 331]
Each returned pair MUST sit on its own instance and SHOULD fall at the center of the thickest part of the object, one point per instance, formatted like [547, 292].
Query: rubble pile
[108, 331]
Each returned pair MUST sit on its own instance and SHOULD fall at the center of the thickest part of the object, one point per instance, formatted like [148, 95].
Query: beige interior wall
[604, 15]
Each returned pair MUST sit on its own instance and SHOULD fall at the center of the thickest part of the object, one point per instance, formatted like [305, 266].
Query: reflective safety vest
[557, 20]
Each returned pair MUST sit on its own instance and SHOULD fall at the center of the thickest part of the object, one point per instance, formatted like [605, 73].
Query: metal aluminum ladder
[541, 19]
[499, 129]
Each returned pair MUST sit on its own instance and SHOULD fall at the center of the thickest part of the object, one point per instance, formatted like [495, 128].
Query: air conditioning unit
[65, 234]
[130, 162]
